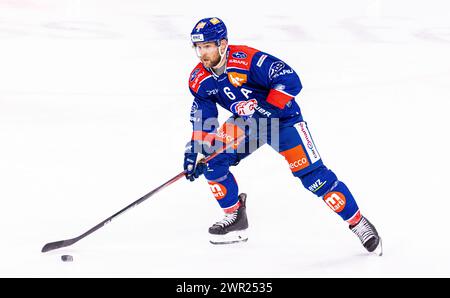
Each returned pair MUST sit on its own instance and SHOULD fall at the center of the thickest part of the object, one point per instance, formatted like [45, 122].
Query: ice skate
[233, 227]
[368, 235]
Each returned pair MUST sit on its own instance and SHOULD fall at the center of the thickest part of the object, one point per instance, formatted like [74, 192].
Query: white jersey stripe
[261, 60]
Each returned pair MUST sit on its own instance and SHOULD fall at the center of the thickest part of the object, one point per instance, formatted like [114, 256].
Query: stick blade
[57, 244]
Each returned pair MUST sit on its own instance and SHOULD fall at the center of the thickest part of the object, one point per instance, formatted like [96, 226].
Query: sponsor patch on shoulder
[194, 74]
[239, 55]
[275, 68]
[197, 76]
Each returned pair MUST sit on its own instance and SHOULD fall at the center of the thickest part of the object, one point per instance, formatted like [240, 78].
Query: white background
[94, 113]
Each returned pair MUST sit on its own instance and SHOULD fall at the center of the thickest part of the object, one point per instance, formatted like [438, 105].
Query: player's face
[208, 52]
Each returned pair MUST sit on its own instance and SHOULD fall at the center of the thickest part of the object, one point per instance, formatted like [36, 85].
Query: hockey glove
[193, 167]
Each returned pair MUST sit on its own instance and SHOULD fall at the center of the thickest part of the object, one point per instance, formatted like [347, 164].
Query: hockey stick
[64, 243]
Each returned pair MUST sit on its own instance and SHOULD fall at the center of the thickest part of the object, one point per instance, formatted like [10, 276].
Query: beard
[211, 63]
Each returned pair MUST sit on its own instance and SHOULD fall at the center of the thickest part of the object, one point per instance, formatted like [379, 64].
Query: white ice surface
[94, 113]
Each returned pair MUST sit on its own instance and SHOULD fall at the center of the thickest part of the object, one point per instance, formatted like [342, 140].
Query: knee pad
[319, 181]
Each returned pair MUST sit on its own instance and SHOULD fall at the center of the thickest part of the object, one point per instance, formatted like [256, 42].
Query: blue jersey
[254, 84]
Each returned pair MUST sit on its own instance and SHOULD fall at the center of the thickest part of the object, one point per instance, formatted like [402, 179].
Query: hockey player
[259, 90]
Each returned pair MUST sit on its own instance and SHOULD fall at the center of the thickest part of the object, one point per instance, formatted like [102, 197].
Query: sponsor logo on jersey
[228, 133]
[224, 137]
[244, 108]
[212, 92]
[275, 68]
[239, 55]
[194, 74]
[298, 163]
[197, 77]
[296, 158]
[236, 61]
[241, 62]
[335, 200]
[282, 73]
[219, 190]
[237, 79]
[197, 80]
[194, 107]
[263, 111]
[316, 185]
[313, 154]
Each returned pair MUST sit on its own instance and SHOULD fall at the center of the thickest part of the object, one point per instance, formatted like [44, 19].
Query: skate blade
[229, 238]
[379, 250]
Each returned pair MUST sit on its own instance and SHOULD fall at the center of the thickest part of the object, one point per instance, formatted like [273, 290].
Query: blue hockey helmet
[209, 29]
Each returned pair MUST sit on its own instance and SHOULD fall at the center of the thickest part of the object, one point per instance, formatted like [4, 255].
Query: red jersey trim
[198, 75]
[278, 98]
[241, 57]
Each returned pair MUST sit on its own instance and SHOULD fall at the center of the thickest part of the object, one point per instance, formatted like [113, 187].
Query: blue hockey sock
[324, 183]
[340, 200]
[225, 190]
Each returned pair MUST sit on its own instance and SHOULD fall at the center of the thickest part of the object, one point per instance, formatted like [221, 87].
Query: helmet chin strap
[222, 57]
